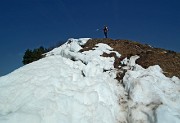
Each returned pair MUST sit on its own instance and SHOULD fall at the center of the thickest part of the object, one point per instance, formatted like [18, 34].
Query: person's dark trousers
[105, 33]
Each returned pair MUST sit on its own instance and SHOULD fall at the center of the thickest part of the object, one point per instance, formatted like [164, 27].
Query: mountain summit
[168, 60]
[84, 81]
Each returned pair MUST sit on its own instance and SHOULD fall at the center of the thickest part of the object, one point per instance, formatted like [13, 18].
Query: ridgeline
[168, 60]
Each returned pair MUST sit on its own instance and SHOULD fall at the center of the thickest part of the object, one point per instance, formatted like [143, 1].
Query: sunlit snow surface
[68, 86]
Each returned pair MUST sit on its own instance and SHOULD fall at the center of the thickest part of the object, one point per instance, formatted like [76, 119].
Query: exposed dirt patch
[168, 60]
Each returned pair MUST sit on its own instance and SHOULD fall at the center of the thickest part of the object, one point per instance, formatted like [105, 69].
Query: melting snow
[68, 86]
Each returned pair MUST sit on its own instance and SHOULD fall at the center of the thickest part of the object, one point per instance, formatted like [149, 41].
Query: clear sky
[32, 23]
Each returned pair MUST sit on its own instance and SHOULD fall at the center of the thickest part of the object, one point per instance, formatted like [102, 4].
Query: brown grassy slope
[169, 61]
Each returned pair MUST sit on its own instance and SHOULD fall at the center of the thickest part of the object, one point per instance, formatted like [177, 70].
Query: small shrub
[33, 55]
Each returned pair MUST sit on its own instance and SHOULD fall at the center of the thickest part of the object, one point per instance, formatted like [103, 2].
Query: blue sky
[32, 23]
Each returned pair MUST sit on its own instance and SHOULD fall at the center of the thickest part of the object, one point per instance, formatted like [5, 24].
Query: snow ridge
[64, 87]
[68, 86]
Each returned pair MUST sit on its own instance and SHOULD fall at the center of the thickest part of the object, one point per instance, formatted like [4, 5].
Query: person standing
[105, 31]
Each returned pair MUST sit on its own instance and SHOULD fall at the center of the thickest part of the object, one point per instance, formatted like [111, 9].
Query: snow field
[155, 97]
[56, 89]
[68, 86]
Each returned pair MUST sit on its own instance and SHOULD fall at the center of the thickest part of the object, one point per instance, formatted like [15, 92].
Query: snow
[153, 95]
[68, 86]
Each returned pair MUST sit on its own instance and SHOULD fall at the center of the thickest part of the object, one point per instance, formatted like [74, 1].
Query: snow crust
[68, 86]
[57, 89]
[155, 97]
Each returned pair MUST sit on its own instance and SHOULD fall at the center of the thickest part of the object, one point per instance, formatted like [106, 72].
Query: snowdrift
[68, 86]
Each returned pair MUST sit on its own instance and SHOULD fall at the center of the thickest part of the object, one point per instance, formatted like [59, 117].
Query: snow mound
[69, 86]
[155, 97]
[64, 87]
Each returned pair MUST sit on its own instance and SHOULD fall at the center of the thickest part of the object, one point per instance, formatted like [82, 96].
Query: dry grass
[168, 60]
